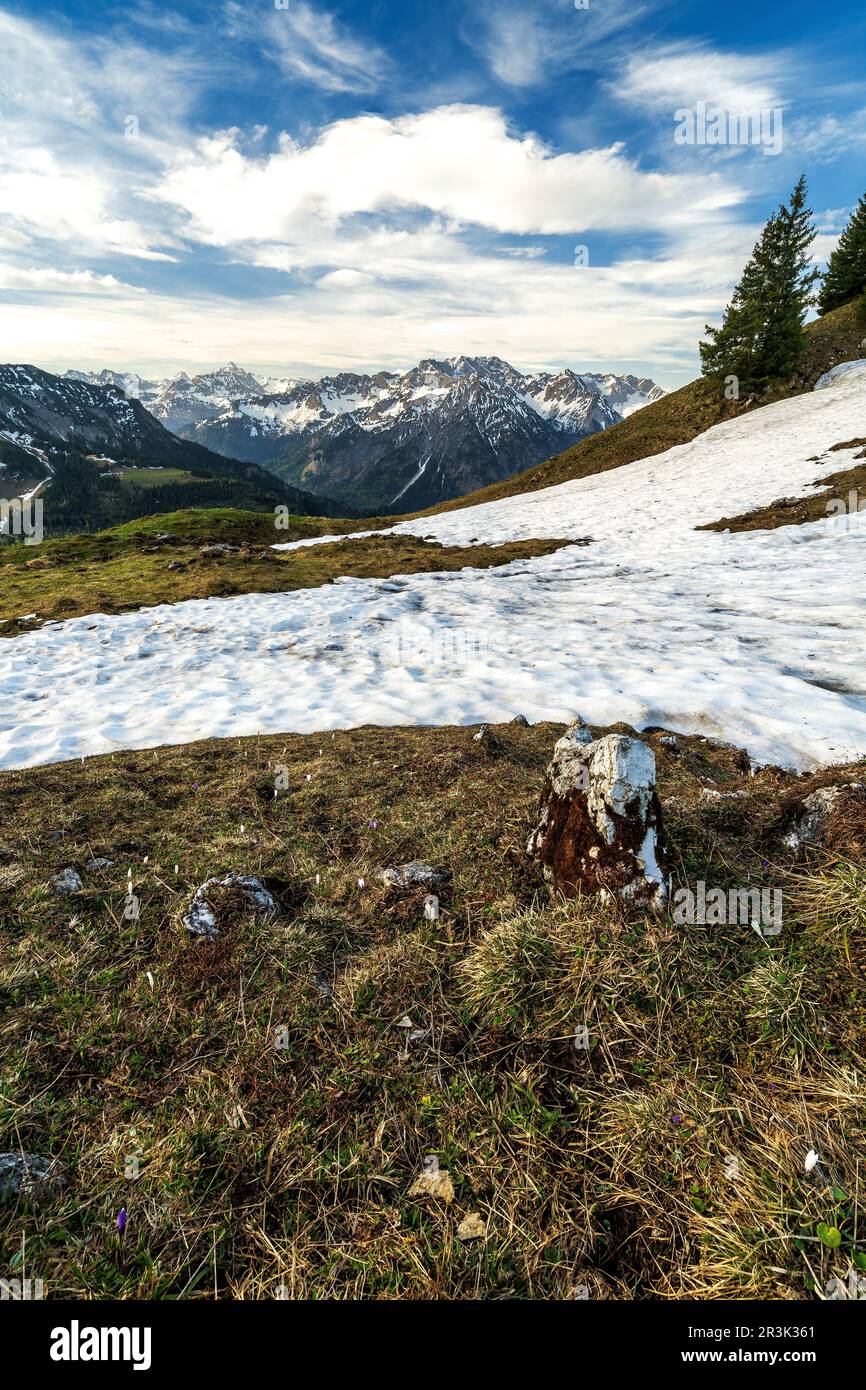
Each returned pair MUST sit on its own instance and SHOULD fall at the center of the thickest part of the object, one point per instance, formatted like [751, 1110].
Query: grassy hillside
[678, 417]
[279, 1114]
[128, 567]
[92, 494]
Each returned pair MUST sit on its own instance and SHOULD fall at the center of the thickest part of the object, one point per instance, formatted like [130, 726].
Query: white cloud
[823, 246]
[642, 315]
[684, 74]
[401, 235]
[68, 205]
[832, 219]
[344, 278]
[461, 162]
[67, 169]
[48, 279]
[826, 138]
[525, 45]
[310, 44]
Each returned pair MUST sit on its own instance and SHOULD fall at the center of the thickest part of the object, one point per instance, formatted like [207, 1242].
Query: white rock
[433, 1181]
[811, 823]
[415, 874]
[471, 1227]
[201, 917]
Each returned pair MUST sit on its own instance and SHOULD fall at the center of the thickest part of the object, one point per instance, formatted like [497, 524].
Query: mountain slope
[53, 411]
[74, 432]
[679, 416]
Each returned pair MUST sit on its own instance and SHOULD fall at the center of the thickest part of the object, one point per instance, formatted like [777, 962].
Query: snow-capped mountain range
[390, 441]
[43, 416]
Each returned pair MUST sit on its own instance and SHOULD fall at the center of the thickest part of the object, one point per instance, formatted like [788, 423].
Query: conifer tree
[846, 268]
[761, 339]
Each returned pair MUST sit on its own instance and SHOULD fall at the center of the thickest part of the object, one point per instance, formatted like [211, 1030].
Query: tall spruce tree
[761, 339]
[846, 268]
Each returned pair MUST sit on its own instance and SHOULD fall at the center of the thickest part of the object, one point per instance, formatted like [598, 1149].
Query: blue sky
[301, 187]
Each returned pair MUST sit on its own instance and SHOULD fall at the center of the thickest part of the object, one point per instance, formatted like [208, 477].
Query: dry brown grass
[268, 1169]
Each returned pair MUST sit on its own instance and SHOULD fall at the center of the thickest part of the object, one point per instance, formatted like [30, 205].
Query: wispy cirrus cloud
[309, 43]
[68, 169]
[825, 138]
[685, 73]
[526, 45]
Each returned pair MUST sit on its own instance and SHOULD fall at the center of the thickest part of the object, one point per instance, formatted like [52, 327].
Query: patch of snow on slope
[754, 636]
[326, 540]
[841, 370]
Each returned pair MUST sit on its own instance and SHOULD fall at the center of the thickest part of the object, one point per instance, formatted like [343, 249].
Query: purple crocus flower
[121, 1220]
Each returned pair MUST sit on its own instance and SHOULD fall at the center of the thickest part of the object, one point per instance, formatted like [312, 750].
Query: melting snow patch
[829, 378]
[756, 637]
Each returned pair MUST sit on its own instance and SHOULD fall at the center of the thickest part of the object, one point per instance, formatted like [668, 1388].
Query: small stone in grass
[215, 898]
[433, 1181]
[811, 822]
[69, 881]
[471, 1227]
[30, 1176]
[415, 874]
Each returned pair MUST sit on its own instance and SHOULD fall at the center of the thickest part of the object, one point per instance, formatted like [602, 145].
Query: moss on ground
[279, 1116]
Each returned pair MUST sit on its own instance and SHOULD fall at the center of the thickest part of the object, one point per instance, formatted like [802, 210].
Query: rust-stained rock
[599, 828]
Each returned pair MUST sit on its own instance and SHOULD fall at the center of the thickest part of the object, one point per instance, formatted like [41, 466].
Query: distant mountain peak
[444, 427]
